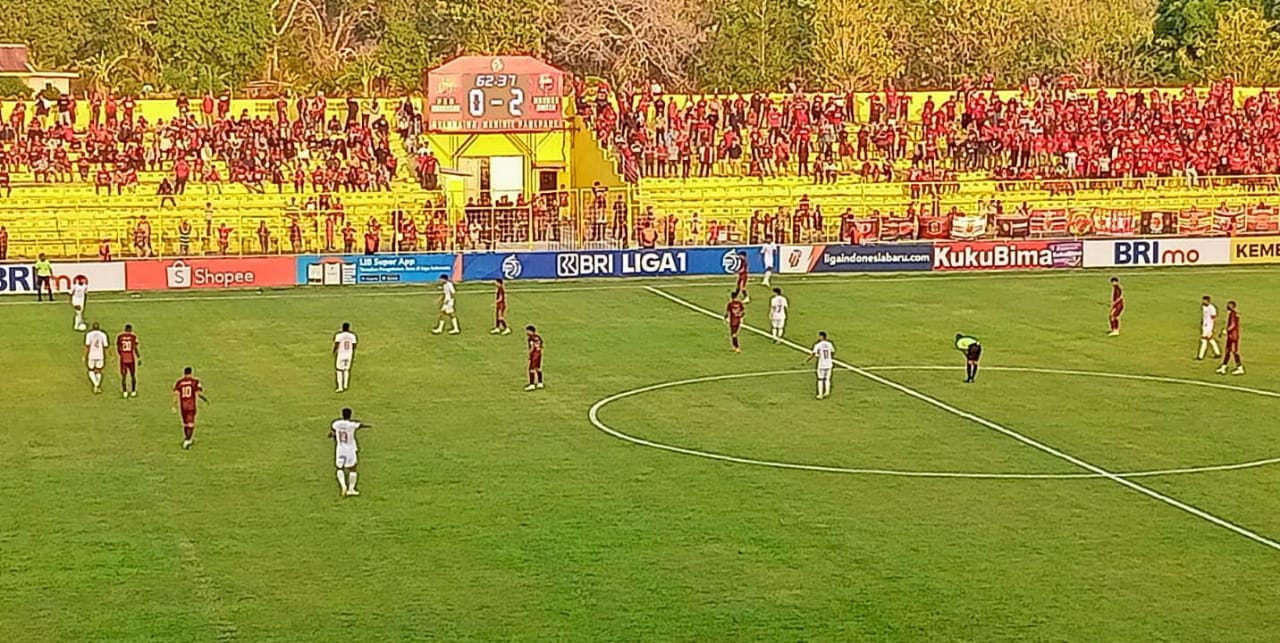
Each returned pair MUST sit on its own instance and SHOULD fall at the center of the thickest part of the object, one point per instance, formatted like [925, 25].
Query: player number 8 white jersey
[346, 343]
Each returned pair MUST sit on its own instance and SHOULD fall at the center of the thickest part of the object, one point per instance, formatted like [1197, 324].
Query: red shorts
[535, 361]
[735, 325]
[742, 282]
[128, 368]
[1233, 345]
[188, 417]
[500, 311]
[1116, 310]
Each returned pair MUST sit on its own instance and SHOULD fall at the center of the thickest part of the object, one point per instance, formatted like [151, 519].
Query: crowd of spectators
[303, 145]
[1037, 134]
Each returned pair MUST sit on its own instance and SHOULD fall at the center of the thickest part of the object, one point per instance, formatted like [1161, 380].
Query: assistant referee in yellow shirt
[44, 278]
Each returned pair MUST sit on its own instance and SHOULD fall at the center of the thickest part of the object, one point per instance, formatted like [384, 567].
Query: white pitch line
[1035, 444]
[1116, 376]
[538, 286]
[593, 414]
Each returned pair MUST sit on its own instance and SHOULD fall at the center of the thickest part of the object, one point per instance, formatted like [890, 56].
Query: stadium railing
[581, 219]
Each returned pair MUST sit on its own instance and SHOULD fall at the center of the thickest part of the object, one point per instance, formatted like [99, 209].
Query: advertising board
[609, 263]
[1157, 252]
[20, 278]
[1255, 250]
[857, 258]
[208, 273]
[346, 270]
[1007, 255]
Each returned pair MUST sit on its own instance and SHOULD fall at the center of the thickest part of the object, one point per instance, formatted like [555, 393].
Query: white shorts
[342, 363]
[78, 304]
[345, 459]
[1206, 332]
[447, 308]
[824, 373]
[95, 363]
[778, 322]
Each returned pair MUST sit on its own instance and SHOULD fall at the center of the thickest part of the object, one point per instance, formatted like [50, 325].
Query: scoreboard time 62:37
[485, 94]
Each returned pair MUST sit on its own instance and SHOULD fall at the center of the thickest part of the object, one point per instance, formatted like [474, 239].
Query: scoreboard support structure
[497, 124]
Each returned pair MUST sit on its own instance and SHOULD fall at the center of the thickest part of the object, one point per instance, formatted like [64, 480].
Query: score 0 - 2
[479, 100]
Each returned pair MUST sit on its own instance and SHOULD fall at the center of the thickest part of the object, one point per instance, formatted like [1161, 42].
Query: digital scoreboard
[494, 94]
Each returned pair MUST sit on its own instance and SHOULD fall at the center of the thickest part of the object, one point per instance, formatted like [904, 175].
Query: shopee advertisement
[228, 272]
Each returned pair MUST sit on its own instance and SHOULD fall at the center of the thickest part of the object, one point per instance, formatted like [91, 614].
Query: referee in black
[44, 277]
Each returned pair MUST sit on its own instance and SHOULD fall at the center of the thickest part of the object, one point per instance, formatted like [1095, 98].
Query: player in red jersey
[1117, 306]
[742, 277]
[733, 314]
[500, 309]
[130, 358]
[185, 392]
[535, 358]
[1232, 333]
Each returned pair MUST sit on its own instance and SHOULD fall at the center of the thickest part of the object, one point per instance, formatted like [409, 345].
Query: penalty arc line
[1003, 430]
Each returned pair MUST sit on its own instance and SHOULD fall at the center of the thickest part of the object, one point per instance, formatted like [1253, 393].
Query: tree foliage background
[690, 45]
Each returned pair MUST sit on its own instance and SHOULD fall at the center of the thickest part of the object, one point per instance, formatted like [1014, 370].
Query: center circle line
[593, 415]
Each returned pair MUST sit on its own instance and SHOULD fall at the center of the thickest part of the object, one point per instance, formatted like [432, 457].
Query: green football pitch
[1052, 500]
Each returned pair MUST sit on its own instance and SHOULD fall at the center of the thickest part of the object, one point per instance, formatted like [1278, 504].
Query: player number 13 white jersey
[344, 434]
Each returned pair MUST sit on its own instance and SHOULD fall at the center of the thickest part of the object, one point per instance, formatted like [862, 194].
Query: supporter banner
[857, 258]
[1157, 252]
[344, 270]
[1007, 255]
[610, 263]
[222, 272]
[18, 278]
[1255, 250]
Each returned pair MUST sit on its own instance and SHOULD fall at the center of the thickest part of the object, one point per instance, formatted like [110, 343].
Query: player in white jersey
[1208, 320]
[778, 315]
[344, 350]
[447, 295]
[768, 252]
[825, 352]
[95, 355]
[343, 432]
[79, 292]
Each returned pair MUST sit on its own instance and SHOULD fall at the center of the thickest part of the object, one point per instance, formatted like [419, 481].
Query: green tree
[630, 39]
[853, 43]
[198, 42]
[1182, 30]
[53, 31]
[498, 26]
[955, 38]
[1244, 46]
[756, 44]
